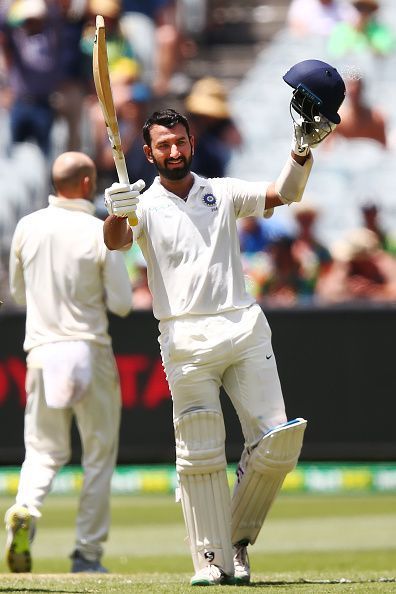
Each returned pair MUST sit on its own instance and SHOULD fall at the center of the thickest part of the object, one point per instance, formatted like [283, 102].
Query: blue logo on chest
[209, 200]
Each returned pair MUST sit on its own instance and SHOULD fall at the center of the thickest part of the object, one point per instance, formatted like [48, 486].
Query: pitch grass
[309, 544]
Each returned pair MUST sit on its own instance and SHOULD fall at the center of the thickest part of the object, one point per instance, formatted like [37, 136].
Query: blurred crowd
[338, 244]
[48, 104]
[359, 264]
[285, 268]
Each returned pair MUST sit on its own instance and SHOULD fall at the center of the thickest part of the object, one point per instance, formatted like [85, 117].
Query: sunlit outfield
[309, 543]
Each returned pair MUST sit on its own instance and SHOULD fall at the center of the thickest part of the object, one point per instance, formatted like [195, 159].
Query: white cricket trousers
[48, 447]
[233, 349]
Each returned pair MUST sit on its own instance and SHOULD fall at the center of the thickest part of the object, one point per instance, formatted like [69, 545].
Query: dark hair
[165, 117]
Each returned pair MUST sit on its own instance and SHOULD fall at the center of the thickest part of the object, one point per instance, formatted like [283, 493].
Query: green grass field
[309, 543]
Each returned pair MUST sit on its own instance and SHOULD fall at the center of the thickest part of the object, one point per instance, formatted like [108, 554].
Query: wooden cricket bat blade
[100, 68]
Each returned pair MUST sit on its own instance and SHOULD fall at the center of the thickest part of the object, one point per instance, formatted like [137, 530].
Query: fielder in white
[67, 278]
[213, 334]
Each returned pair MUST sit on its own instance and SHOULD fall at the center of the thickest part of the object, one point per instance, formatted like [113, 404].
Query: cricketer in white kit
[212, 334]
[67, 278]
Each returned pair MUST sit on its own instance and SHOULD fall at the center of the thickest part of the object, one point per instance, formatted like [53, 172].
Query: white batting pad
[260, 477]
[204, 491]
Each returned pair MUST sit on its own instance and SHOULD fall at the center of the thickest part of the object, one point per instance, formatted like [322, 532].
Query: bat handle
[123, 178]
[132, 219]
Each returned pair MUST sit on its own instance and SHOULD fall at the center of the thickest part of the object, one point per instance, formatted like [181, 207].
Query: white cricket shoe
[20, 529]
[211, 575]
[241, 564]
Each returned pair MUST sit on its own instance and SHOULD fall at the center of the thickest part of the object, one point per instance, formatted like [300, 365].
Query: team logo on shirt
[209, 200]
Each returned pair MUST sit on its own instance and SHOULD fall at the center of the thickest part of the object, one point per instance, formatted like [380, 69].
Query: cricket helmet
[319, 89]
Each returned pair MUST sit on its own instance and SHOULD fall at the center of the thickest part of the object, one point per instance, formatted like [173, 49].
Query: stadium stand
[344, 174]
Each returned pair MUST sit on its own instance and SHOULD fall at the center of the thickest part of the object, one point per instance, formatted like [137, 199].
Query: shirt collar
[199, 182]
[72, 204]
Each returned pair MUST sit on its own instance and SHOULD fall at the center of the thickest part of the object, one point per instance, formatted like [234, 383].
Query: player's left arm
[318, 95]
[291, 182]
[16, 276]
[290, 185]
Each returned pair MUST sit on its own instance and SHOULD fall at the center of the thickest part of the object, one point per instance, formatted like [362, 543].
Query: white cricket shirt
[61, 269]
[192, 247]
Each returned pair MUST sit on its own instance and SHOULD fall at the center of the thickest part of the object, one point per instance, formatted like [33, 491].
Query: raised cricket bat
[105, 96]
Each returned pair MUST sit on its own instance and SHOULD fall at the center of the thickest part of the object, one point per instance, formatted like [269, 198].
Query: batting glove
[309, 135]
[122, 199]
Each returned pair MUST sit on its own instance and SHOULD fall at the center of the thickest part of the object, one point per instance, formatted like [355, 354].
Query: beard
[176, 173]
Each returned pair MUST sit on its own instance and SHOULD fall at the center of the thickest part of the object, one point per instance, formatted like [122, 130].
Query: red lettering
[157, 388]
[4, 384]
[149, 393]
[17, 370]
[129, 367]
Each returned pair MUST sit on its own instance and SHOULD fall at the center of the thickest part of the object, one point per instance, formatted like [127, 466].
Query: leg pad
[260, 478]
[204, 492]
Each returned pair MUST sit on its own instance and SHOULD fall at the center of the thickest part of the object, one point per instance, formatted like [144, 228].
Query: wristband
[292, 180]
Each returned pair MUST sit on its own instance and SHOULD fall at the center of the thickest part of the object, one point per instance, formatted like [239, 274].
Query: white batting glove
[309, 136]
[122, 199]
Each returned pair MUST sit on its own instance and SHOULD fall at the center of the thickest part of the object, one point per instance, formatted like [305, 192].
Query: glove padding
[308, 135]
[122, 199]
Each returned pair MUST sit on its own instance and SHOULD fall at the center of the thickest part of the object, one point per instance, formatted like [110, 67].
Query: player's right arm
[117, 233]
[121, 200]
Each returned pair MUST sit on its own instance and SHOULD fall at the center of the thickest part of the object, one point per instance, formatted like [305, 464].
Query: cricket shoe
[211, 575]
[241, 564]
[20, 530]
[82, 565]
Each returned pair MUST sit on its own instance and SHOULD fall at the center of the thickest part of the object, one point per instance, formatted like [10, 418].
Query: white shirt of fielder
[61, 269]
[192, 246]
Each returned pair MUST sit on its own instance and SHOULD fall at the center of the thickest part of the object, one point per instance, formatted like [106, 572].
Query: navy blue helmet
[319, 89]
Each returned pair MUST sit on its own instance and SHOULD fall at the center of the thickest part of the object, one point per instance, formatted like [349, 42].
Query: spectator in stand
[141, 295]
[5, 92]
[359, 119]
[283, 283]
[30, 41]
[281, 268]
[216, 134]
[137, 271]
[256, 267]
[361, 271]
[364, 34]
[69, 97]
[255, 237]
[371, 220]
[41, 47]
[313, 256]
[316, 17]
[124, 67]
[152, 27]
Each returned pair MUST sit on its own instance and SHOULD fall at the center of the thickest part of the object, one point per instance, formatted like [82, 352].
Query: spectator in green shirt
[365, 33]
